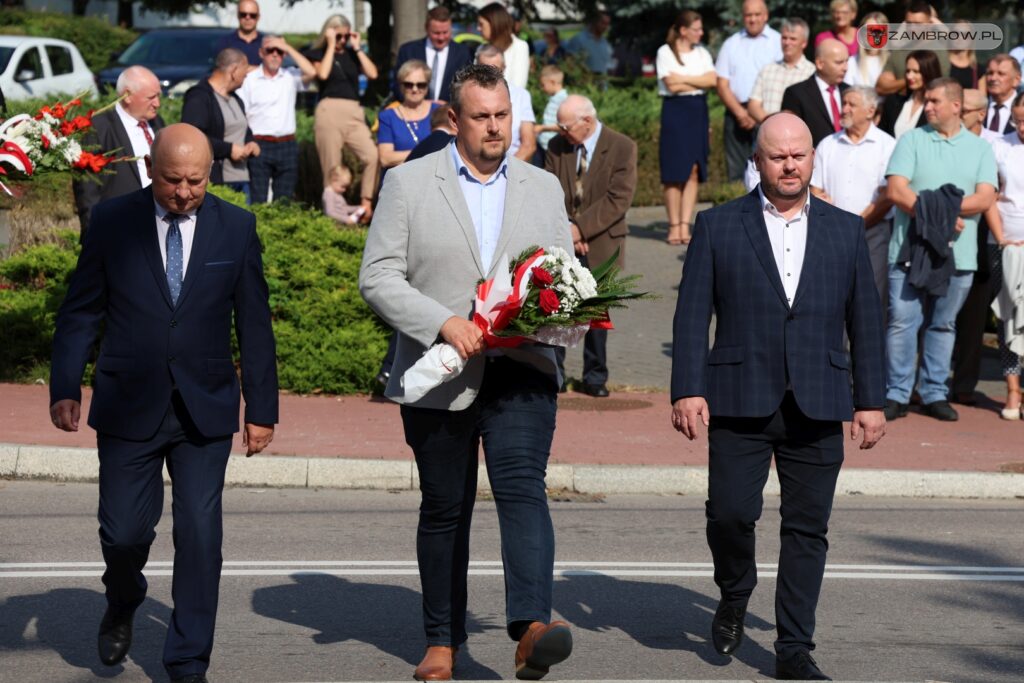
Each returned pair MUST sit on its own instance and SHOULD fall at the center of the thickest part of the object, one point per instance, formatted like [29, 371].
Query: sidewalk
[622, 444]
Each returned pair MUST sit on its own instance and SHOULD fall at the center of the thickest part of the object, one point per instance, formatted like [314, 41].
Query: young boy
[334, 202]
[551, 79]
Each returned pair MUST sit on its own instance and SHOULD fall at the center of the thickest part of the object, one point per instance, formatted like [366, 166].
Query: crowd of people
[885, 219]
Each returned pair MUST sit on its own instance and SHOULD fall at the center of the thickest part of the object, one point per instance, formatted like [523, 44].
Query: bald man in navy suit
[165, 271]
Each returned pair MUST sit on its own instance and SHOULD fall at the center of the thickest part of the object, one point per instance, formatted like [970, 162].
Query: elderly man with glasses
[246, 39]
[268, 94]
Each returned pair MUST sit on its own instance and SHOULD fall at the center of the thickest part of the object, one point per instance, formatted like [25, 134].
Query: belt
[274, 138]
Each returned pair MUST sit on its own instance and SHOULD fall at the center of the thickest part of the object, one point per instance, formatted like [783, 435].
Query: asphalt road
[322, 586]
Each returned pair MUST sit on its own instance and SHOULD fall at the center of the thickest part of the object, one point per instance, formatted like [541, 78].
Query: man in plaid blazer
[785, 274]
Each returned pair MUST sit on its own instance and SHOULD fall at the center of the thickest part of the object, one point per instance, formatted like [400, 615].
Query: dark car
[180, 57]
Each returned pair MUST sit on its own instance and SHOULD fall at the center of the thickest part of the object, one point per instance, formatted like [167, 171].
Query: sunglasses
[274, 51]
[408, 85]
[248, 15]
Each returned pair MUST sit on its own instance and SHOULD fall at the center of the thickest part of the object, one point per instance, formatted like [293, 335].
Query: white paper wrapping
[441, 363]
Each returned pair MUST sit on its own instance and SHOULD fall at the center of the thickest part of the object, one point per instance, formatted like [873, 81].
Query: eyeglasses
[274, 51]
[409, 85]
[566, 127]
[248, 15]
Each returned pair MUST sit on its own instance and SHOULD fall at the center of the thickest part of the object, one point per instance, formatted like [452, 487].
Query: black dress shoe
[191, 678]
[895, 409]
[798, 667]
[115, 637]
[595, 390]
[941, 410]
[727, 628]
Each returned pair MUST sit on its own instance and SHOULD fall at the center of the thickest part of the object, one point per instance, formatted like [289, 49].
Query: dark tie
[175, 258]
[581, 173]
[145, 131]
[994, 123]
[836, 126]
[432, 91]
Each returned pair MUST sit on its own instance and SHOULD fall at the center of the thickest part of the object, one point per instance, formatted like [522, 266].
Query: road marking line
[649, 573]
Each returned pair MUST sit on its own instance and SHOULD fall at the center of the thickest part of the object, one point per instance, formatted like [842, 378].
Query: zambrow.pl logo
[959, 36]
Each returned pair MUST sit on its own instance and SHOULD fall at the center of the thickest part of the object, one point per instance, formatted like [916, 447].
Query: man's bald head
[831, 59]
[179, 141]
[139, 89]
[577, 119]
[784, 157]
[755, 16]
[974, 99]
[577, 106]
[179, 164]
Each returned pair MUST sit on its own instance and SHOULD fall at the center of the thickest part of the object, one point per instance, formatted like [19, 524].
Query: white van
[33, 67]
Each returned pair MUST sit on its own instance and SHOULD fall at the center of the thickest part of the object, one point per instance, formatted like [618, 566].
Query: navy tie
[175, 259]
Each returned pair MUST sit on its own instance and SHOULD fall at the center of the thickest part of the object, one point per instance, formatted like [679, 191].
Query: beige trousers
[337, 123]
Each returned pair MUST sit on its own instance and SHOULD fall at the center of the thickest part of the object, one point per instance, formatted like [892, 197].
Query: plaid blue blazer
[761, 343]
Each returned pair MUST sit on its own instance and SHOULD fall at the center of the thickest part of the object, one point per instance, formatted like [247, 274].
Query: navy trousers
[131, 501]
[514, 416]
[808, 455]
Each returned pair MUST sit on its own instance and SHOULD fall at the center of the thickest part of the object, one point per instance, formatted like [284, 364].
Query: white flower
[585, 283]
[72, 151]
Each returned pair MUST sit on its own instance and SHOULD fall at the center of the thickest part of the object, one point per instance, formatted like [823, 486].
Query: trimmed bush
[95, 38]
[328, 339]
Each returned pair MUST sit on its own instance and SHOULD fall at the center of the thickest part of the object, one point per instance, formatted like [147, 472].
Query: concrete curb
[54, 463]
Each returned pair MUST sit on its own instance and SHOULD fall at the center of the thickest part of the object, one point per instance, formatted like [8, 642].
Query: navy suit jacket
[759, 339]
[458, 56]
[149, 346]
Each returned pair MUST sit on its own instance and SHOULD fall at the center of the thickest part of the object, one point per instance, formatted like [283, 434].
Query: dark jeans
[278, 163]
[808, 455]
[514, 415]
[131, 500]
[739, 144]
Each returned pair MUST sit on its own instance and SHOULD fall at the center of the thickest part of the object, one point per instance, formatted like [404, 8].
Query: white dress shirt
[1009, 153]
[270, 100]
[437, 76]
[187, 227]
[140, 148]
[826, 97]
[789, 242]
[522, 112]
[852, 173]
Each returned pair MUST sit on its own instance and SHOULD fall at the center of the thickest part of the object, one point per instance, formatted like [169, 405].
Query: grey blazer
[422, 262]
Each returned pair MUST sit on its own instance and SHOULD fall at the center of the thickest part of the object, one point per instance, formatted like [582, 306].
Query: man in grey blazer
[442, 224]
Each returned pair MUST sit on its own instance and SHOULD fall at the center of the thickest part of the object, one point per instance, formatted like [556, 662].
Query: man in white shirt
[741, 58]
[849, 172]
[524, 139]
[1001, 80]
[269, 97]
[773, 79]
[128, 128]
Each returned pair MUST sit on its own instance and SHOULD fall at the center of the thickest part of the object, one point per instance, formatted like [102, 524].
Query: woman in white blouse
[496, 26]
[902, 112]
[1006, 222]
[867, 65]
[685, 71]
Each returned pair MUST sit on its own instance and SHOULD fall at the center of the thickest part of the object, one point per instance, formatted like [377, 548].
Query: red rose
[549, 302]
[541, 277]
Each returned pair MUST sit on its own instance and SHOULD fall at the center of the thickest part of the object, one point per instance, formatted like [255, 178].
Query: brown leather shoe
[437, 665]
[541, 647]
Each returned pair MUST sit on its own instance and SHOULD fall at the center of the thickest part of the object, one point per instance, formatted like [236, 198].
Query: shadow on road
[1003, 602]
[386, 617]
[659, 616]
[65, 620]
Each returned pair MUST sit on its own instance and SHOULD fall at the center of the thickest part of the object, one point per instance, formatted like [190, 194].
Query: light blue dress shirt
[486, 204]
[743, 56]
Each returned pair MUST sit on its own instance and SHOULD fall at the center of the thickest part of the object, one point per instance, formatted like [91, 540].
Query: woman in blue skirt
[685, 72]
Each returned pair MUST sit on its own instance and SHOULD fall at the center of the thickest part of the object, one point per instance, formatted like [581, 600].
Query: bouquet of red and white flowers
[544, 296]
[47, 142]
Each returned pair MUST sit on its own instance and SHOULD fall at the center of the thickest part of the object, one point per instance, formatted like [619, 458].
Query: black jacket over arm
[202, 111]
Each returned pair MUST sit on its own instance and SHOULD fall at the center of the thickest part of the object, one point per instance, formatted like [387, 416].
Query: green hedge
[95, 38]
[328, 340]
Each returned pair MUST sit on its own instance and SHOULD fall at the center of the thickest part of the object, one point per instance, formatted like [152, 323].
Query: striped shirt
[773, 80]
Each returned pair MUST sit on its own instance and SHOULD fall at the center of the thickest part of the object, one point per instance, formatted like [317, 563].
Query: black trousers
[595, 352]
[974, 314]
[739, 145]
[131, 502]
[808, 455]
